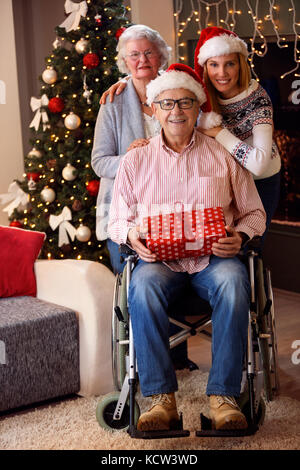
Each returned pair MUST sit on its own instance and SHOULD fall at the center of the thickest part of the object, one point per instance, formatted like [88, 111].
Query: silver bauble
[81, 46]
[69, 172]
[72, 121]
[48, 194]
[49, 76]
[83, 233]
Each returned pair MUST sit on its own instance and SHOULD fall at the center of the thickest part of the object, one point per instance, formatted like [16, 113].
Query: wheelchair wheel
[272, 339]
[119, 332]
[264, 334]
[105, 412]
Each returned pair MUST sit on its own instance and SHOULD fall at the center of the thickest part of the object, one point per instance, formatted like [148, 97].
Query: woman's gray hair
[140, 31]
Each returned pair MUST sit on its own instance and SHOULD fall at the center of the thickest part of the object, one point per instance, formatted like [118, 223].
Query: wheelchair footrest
[177, 431]
[208, 431]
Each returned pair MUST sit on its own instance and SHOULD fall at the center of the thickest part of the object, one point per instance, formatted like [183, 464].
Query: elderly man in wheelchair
[183, 166]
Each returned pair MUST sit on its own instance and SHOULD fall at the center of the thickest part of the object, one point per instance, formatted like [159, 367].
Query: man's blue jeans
[224, 283]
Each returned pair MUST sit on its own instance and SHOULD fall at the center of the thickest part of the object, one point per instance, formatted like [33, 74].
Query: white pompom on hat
[183, 76]
[214, 42]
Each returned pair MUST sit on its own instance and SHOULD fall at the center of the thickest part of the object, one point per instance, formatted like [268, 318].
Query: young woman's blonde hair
[243, 82]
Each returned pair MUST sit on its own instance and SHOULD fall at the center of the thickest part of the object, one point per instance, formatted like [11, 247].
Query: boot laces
[229, 400]
[160, 399]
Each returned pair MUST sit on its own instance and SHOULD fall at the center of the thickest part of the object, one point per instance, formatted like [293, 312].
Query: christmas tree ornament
[119, 32]
[16, 196]
[66, 249]
[83, 233]
[81, 46]
[98, 19]
[33, 176]
[56, 105]
[59, 42]
[69, 172]
[77, 205]
[66, 229]
[75, 12]
[93, 187]
[15, 223]
[51, 163]
[87, 93]
[48, 194]
[72, 121]
[31, 185]
[91, 60]
[38, 106]
[49, 76]
[34, 153]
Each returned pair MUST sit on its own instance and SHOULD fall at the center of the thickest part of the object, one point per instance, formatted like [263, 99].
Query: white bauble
[48, 194]
[83, 233]
[69, 172]
[72, 121]
[81, 46]
[49, 76]
[34, 153]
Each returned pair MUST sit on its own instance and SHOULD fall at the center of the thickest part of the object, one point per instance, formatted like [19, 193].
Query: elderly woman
[142, 52]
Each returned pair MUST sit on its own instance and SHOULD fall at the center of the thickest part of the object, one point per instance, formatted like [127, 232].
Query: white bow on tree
[76, 10]
[36, 104]
[18, 197]
[65, 228]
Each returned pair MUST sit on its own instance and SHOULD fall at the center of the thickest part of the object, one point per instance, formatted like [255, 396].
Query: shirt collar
[169, 150]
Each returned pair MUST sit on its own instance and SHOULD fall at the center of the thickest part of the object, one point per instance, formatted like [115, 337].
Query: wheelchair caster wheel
[105, 411]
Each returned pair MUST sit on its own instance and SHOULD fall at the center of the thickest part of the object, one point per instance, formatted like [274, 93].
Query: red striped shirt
[155, 179]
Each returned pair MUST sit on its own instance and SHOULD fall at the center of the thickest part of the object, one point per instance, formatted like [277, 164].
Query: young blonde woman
[247, 115]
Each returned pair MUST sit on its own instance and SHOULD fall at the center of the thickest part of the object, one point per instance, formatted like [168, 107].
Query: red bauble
[91, 60]
[56, 105]
[119, 32]
[93, 187]
[16, 223]
[33, 176]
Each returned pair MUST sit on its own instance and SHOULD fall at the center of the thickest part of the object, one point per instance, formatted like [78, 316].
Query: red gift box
[184, 234]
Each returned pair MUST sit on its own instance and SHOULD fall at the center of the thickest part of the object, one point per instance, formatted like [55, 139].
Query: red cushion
[18, 251]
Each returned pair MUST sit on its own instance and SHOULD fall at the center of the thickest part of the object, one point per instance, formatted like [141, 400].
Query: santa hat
[183, 76]
[214, 41]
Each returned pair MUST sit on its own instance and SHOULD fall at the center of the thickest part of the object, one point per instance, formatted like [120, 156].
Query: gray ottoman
[39, 351]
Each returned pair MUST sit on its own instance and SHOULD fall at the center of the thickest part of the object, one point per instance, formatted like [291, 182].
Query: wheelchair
[119, 410]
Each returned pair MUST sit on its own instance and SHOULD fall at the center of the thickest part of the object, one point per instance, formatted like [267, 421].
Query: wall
[157, 14]
[11, 154]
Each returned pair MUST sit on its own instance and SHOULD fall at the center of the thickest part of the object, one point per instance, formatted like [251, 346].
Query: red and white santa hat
[183, 76]
[215, 41]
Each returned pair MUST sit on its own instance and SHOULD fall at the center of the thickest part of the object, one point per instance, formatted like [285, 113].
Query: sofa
[57, 342]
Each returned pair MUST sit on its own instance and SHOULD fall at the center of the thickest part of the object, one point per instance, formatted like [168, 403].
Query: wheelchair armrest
[126, 250]
[253, 245]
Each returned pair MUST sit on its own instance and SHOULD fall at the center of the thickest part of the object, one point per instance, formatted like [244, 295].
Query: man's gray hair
[141, 31]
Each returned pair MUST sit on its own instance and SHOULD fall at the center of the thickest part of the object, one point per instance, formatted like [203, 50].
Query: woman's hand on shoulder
[116, 88]
[210, 132]
[138, 143]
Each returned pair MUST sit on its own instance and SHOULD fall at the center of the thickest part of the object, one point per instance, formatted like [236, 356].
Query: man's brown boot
[161, 416]
[225, 413]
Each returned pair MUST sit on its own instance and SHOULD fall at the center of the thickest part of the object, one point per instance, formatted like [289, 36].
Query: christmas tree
[59, 183]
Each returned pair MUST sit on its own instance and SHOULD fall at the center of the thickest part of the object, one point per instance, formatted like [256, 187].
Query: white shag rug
[72, 425]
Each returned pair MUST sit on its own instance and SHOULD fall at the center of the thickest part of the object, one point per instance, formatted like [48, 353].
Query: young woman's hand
[116, 88]
[210, 132]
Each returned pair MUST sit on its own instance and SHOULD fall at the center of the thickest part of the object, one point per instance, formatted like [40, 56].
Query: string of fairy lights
[224, 13]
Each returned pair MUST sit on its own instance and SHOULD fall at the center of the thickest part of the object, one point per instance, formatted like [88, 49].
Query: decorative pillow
[18, 251]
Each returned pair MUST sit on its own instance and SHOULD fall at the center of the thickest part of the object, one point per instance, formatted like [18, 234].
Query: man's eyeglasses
[134, 56]
[183, 103]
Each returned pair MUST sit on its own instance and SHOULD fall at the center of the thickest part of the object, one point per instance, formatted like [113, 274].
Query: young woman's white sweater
[248, 131]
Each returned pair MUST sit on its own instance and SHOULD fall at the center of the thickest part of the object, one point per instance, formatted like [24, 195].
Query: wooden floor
[287, 317]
